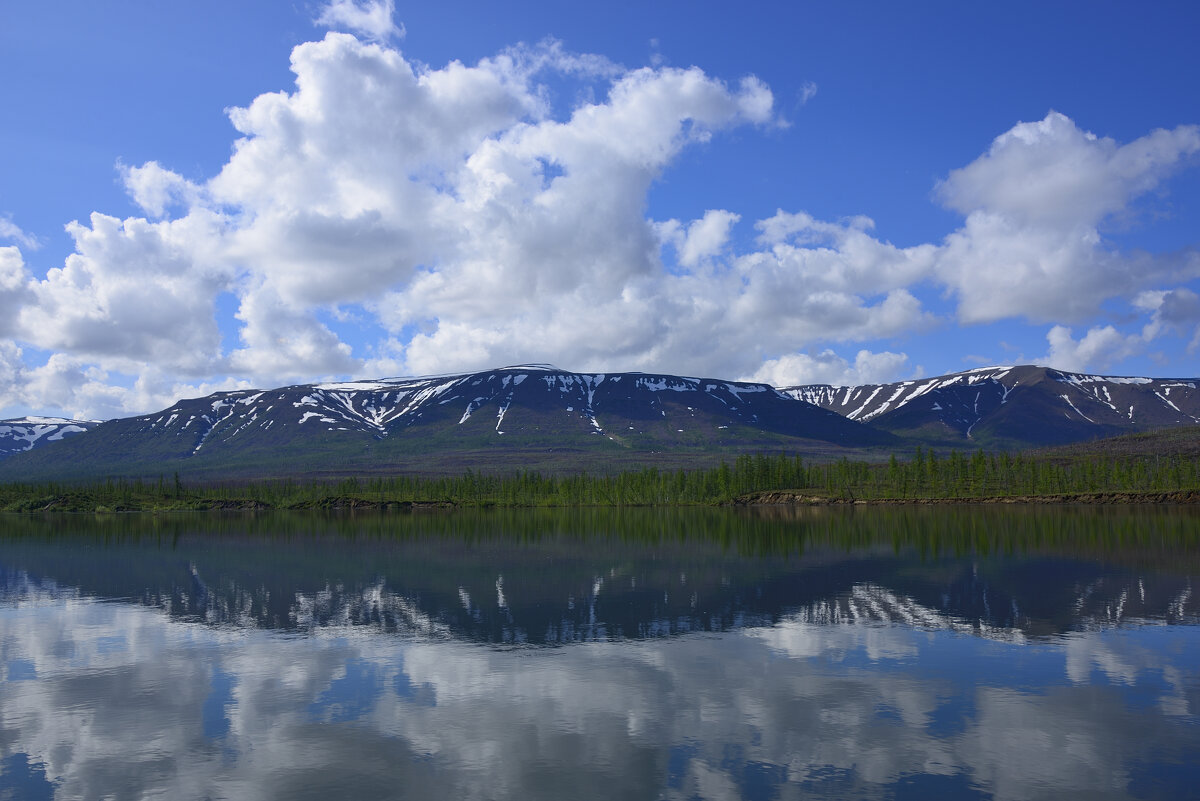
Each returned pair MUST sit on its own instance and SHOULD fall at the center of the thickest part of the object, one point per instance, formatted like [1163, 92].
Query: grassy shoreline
[82, 503]
[780, 498]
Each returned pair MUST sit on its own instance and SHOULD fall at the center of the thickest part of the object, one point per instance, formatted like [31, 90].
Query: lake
[981, 652]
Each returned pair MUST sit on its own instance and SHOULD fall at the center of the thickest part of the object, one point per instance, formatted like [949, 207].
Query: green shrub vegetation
[924, 475]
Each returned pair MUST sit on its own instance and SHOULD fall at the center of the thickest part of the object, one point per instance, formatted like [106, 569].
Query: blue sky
[204, 196]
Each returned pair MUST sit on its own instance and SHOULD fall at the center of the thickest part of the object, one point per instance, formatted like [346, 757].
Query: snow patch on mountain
[26, 433]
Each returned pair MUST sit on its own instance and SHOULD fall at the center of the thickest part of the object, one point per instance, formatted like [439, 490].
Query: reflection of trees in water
[1160, 533]
[556, 576]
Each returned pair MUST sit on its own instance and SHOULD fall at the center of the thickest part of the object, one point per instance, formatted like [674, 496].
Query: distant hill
[1181, 441]
[530, 415]
[1013, 407]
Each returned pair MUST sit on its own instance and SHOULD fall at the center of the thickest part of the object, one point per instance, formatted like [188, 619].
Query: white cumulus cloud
[1032, 245]
[11, 231]
[373, 19]
[156, 189]
[134, 293]
[1098, 349]
[827, 367]
[702, 239]
[1176, 310]
[14, 288]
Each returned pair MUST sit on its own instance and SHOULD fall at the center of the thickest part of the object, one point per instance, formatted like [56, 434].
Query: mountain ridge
[512, 416]
[540, 416]
[1013, 405]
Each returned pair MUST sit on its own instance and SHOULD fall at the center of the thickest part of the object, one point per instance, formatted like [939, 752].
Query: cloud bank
[387, 217]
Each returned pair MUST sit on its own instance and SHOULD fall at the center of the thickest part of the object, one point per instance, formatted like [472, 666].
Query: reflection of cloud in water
[129, 700]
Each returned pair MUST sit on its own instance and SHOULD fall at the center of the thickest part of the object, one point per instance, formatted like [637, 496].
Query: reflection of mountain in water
[1103, 602]
[868, 604]
[627, 575]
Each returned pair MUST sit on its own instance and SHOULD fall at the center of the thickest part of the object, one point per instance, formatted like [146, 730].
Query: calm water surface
[780, 654]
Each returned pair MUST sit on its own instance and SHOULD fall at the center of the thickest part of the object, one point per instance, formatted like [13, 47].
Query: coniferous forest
[921, 476]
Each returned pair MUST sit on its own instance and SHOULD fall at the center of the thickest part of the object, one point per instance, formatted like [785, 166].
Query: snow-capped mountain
[25, 433]
[541, 416]
[398, 423]
[1014, 406]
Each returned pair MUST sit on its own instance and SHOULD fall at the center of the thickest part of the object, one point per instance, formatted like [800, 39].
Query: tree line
[924, 475]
